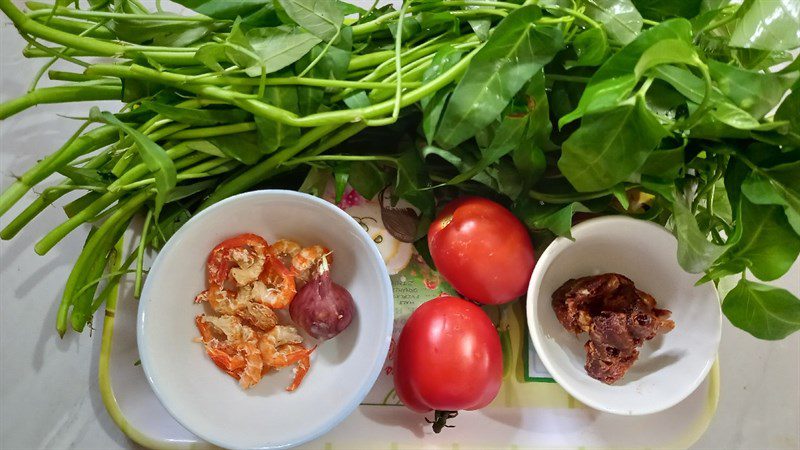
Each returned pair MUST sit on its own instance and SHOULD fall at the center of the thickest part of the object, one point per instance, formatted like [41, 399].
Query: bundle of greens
[665, 111]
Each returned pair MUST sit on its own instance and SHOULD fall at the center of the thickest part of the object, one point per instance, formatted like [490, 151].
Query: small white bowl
[671, 366]
[210, 403]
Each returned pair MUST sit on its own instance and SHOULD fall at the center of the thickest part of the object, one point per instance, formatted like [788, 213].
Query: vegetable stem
[80, 14]
[73, 148]
[87, 214]
[27, 25]
[262, 170]
[137, 285]
[60, 94]
[221, 130]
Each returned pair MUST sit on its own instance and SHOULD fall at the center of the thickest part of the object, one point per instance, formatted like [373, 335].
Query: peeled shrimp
[308, 259]
[285, 250]
[300, 371]
[250, 265]
[241, 305]
[258, 315]
[241, 257]
[280, 347]
[221, 300]
[275, 286]
[232, 346]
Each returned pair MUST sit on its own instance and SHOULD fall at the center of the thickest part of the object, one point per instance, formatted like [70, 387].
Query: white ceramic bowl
[671, 366]
[210, 403]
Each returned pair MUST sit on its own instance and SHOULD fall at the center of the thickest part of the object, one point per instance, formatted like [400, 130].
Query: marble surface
[48, 388]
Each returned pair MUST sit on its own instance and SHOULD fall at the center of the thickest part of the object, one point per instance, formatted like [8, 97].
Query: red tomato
[482, 250]
[220, 262]
[448, 358]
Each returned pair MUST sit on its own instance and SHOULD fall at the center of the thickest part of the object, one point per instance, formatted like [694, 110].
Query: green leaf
[665, 164]
[591, 46]
[433, 105]
[358, 99]
[755, 92]
[275, 48]
[481, 28]
[778, 185]
[620, 18]
[206, 147]
[340, 176]
[768, 25]
[432, 109]
[610, 146]
[788, 110]
[316, 181]
[695, 253]
[367, 178]
[768, 245]
[660, 10]
[348, 9]
[198, 117]
[322, 18]
[154, 157]
[615, 79]
[188, 190]
[226, 9]
[273, 134]
[539, 126]
[211, 55]
[243, 147]
[529, 161]
[722, 206]
[556, 218]
[516, 50]
[764, 311]
[667, 51]
[506, 138]
[335, 61]
[161, 32]
[621, 194]
[723, 112]
[503, 177]
[413, 183]
[794, 219]
[84, 176]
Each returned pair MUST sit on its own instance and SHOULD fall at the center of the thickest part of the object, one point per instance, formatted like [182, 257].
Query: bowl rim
[536, 333]
[370, 376]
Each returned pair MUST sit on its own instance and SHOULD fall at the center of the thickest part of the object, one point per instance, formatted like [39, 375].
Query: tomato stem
[440, 420]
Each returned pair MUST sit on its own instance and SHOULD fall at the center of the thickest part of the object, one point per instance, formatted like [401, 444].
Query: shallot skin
[322, 308]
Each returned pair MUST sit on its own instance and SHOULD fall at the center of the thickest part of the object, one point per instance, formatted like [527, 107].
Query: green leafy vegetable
[322, 18]
[662, 10]
[755, 92]
[610, 146]
[764, 311]
[695, 253]
[152, 154]
[768, 25]
[621, 19]
[591, 46]
[199, 117]
[767, 245]
[517, 49]
[274, 135]
[272, 49]
[778, 185]
[556, 218]
[615, 79]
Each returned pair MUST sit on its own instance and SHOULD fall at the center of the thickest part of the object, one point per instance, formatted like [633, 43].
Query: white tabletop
[48, 385]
